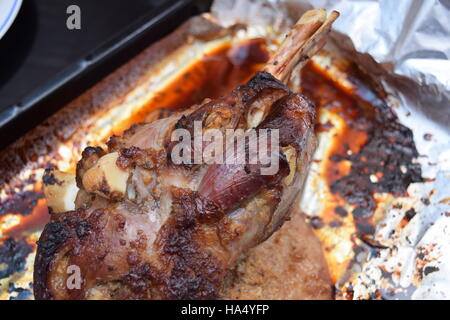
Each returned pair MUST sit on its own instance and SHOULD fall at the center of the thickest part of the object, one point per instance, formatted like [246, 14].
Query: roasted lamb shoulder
[144, 226]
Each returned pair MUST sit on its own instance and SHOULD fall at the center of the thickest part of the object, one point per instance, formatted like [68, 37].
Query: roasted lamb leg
[148, 227]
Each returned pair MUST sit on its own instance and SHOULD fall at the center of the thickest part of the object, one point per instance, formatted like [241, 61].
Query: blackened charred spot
[89, 158]
[261, 81]
[22, 293]
[388, 153]
[114, 143]
[126, 156]
[13, 255]
[397, 206]
[145, 158]
[181, 123]
[185, 284]
[376, 295]
[49, 178]
[339, 210]
[373, 243]
[430, 269]
[383, 157]
[54, 235]
[141, 280]
[316, 222]
[303, 58]
[364, 227]
[20, 203]
[410, 214]
[196, 274]
[362, 212]
[90, 151]
[83, 228]
[335, 224]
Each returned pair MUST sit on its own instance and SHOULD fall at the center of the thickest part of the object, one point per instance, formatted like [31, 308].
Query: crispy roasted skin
[179, 230]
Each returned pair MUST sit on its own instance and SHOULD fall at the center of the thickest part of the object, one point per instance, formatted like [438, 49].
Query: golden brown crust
[195, 273]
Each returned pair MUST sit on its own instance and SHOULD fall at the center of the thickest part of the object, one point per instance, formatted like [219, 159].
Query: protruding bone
[306, 38]
[105, 178]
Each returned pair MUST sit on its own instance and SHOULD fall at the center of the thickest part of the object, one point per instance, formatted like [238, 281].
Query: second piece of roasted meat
[146, 226]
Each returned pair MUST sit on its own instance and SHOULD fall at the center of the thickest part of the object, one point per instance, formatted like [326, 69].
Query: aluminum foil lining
[410, 40]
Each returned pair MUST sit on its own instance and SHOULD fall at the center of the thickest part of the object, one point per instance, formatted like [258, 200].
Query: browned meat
[148, 227]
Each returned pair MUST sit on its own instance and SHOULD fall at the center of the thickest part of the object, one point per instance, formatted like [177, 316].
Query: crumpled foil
[410, 40]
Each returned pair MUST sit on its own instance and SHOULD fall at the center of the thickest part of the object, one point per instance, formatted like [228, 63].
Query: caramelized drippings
[371, 152]
[30, 223]
[216, 74]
